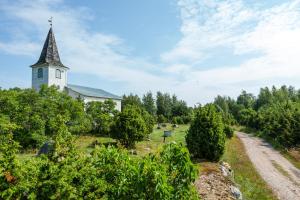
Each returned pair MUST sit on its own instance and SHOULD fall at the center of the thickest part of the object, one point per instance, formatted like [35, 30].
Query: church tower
[48, 69]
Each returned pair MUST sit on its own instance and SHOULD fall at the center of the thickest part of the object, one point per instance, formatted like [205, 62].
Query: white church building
[49, 70]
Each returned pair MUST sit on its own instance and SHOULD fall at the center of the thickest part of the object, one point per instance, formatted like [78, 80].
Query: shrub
[228, 131]
[129, 126]
[205, 137]
[161, 119]
[102, 114]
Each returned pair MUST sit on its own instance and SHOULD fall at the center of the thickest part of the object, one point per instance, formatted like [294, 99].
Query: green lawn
[245, 175]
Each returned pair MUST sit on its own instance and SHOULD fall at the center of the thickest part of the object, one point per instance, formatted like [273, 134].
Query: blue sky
[196, 49]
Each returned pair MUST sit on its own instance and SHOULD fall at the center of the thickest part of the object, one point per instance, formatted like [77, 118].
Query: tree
[246, 99]
[149, 103]
[129, 126]
[131, 99]
[205, 137]
[102, 115]
[34, 113]
[164, 105]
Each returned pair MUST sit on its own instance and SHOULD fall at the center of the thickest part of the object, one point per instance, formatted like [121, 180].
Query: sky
[197, 49]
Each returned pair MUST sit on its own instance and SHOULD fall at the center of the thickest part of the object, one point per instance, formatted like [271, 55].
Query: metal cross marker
[50, 21]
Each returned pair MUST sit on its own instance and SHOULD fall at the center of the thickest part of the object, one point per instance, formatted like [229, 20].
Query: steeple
[49, 55]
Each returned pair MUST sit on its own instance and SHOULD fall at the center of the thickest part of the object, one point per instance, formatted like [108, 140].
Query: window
[58, 74]
[40, 73]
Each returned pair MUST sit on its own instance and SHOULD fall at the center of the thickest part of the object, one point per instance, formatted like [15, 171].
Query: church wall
[86, 99]
[37, 82]
[56, 81]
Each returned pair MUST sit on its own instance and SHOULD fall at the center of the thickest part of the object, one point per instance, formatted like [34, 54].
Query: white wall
[60, 82]
[89, 99]
[49, 77]
[37, 82]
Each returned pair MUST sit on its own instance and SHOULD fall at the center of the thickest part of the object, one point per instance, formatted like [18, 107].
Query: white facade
[51, 75]
[87, 99]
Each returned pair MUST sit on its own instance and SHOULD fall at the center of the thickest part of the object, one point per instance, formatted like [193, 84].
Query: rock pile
[217, 184]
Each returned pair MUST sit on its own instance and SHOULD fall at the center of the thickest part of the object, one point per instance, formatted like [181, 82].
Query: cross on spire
[50, 21]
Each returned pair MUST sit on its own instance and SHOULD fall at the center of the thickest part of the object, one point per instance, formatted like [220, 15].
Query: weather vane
[50, 21]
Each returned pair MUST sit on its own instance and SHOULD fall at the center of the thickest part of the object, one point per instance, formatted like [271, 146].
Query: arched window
[58, 73]
[40, 73]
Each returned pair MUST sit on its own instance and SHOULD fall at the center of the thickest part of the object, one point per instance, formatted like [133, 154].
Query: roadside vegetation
[273, 115]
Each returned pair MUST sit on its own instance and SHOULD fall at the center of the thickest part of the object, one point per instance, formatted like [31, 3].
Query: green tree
[131, 99]
[164, 105]
[149, 103]
[205, 137]
[246, 99]
[129, 126]
[102, 115]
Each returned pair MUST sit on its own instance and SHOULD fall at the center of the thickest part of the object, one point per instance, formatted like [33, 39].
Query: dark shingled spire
[49, 53]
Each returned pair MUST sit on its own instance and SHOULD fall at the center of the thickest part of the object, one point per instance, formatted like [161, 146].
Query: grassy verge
[245, 175]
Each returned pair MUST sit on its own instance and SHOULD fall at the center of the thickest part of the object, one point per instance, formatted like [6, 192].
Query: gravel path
[277, 171]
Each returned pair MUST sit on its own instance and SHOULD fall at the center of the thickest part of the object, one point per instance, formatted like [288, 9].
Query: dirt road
[277, 171]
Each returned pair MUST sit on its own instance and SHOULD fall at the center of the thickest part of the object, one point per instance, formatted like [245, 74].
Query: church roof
[92, 92]
[49, 54]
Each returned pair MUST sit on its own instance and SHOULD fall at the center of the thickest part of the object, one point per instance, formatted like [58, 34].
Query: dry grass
[208, 167]
[293, 155]
[245, 175]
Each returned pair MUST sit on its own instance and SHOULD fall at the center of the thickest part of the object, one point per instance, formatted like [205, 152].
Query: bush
[228, 131]
[161, 119]
[177, 120]
[205, 137]
[102, 114]
[129, 126]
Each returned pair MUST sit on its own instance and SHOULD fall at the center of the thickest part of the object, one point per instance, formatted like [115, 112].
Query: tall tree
[149, 103]
[131, 99]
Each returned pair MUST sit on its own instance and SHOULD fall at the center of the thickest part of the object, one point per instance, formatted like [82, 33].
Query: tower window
[40, 73]
[58, 74]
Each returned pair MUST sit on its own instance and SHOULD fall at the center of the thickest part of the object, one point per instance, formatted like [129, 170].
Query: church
[49, 70]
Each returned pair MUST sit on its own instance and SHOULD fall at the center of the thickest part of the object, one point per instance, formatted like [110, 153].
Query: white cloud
[271, 34]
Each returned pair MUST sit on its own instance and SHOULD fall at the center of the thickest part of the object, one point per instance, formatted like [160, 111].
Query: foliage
[164, 105]
[161, 119]
[133, 100]
[205, 138]
[106, 173]
[129, 126]
[149, 103]
[274, 113]
[228, 131]
[101, 114]
[34, 113]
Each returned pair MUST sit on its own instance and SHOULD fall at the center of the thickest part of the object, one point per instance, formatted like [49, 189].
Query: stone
[236, 192]
[46, 148]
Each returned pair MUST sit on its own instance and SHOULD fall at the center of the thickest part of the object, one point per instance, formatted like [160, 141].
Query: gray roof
[92, 92]
[49, 54]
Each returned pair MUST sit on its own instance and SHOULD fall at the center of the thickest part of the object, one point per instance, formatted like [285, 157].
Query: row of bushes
[274, 113]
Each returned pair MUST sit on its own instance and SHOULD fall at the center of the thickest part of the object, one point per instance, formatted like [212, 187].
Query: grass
[280, 169]
[156, 139]
[293, 155]
[245, 175]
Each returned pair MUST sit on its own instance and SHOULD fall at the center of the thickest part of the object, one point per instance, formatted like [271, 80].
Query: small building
[49, 70]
